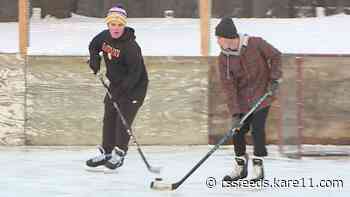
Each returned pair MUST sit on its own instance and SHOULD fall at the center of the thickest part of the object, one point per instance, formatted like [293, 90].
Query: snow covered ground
[181, 37]
[59, 171]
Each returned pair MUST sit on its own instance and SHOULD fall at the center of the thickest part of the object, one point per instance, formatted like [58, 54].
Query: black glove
[236, 118]
[95, 63]
[274, 86]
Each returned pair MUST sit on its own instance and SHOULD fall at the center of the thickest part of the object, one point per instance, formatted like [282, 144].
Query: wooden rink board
[62, 102]
[66, 103]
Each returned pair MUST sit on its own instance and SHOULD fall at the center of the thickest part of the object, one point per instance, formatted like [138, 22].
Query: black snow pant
[114, 132]
[256, 123]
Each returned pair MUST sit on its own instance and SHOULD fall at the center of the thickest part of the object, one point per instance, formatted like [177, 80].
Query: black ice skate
[258, 169]
[117, 159]
[240, 169]
[95, 163]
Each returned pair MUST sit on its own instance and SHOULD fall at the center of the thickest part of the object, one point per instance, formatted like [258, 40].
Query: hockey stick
[159, 185]
[128, 128]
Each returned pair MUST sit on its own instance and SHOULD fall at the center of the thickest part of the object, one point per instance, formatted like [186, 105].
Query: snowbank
[181, 37]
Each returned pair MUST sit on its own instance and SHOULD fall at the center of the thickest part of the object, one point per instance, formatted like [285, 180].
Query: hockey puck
[158, 179]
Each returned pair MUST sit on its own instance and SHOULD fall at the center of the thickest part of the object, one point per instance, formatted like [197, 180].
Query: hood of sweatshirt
[243, 43]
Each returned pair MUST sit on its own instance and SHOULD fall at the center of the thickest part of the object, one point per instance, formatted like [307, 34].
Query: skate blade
[98, 169]
[110, 171]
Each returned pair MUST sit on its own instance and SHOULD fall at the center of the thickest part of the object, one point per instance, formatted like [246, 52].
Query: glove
[236, 118]
[274, 86]
[94, 64]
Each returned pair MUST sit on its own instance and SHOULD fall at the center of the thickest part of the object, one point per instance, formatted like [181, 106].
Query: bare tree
[340, 6]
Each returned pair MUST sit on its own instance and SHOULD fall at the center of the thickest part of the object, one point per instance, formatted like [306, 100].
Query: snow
[58, 171]
[181, 37]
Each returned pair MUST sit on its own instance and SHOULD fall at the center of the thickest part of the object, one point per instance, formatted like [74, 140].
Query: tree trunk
[247, 8]
[8, 11]
[291, 9]
[340, 6]
[226, 8]
[59, 9]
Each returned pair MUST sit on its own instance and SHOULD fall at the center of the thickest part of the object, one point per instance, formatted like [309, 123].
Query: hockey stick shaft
[233, 131]
[127, 126]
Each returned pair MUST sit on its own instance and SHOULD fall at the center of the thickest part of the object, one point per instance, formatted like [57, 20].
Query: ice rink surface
[59, 171]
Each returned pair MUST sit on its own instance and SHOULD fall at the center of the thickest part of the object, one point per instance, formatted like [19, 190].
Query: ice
[59, 171]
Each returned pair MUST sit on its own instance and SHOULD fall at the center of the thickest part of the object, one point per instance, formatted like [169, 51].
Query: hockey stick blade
[163, 186]
[150, 168]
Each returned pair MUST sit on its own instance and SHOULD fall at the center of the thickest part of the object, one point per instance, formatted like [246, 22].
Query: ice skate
[240, 169]
[115, 161]
[258, 169]
[96, 164]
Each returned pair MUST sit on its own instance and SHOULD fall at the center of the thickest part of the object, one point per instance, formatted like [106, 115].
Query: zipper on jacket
[228, 67]
[248, 79]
